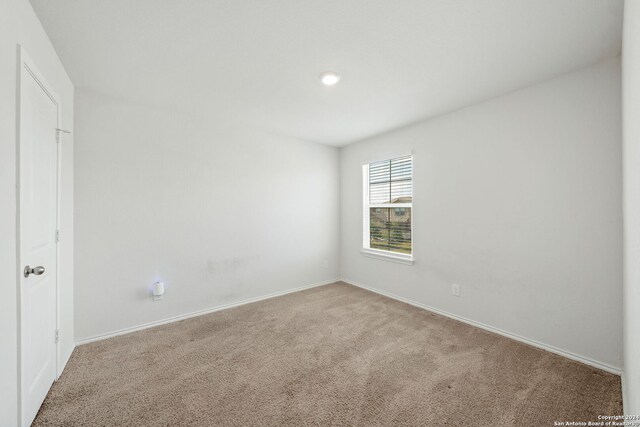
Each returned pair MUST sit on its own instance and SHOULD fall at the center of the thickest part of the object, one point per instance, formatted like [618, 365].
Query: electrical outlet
[325, 264]
[157, 291]
[455, 289]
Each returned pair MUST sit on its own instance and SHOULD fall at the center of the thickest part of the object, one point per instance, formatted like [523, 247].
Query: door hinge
[57, 236]
[57, 335]
[59, 133]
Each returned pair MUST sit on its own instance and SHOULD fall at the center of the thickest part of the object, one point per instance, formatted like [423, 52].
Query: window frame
[366, 249]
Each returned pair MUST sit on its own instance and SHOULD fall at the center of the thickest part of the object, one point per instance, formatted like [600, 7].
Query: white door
[38, 220]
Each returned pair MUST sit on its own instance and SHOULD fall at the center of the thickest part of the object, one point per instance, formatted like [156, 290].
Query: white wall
[518, 200]
[631, 137]
[19, 25]
[219, 214]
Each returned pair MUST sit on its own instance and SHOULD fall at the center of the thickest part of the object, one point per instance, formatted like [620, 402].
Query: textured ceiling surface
[256, 63]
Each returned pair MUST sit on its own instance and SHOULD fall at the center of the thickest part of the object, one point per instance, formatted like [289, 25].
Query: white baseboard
[587, 361]
[199, 313]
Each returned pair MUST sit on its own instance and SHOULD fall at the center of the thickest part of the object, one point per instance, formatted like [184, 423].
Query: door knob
[35, 270]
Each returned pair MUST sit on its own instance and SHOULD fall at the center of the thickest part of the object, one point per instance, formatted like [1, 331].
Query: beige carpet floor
[332, 355]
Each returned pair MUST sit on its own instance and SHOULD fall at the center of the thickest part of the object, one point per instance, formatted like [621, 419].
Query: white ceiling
[256, 63]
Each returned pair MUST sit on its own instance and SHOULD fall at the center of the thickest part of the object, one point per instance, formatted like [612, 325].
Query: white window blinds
[390, 181]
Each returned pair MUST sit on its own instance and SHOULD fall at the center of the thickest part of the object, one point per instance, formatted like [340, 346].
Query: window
[387, 213]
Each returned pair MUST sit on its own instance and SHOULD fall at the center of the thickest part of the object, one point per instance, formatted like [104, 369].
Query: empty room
[320, 213]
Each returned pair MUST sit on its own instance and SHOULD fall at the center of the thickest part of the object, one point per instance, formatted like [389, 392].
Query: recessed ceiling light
[329, 78]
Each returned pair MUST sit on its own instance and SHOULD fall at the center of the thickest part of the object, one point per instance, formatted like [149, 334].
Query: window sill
[388, 256]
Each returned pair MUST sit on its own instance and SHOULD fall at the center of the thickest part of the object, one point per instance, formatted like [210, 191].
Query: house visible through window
[388, 190]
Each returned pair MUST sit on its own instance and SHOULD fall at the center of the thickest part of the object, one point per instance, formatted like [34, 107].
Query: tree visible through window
[388, 204]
